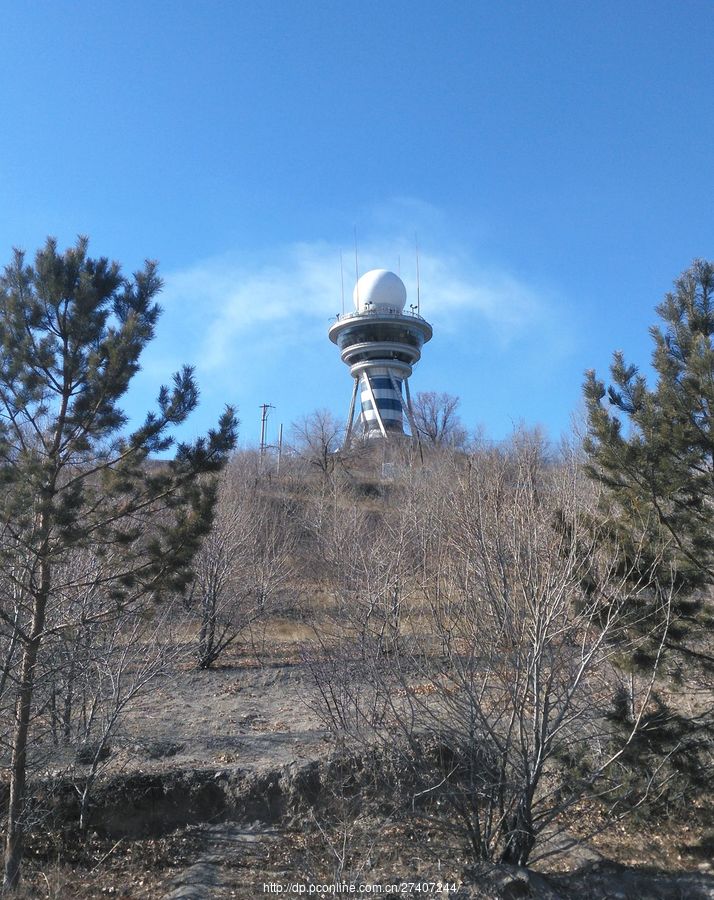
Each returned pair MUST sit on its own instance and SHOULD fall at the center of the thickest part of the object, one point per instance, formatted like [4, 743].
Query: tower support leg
[374, 405]
[412, 424]
[405, 407]
[350, 418]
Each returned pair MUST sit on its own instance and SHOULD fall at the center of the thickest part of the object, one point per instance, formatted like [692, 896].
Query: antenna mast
[356, 267]
[342, 283]
[416, 248]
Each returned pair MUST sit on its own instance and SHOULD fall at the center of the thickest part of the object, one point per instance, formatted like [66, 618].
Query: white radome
[379, 289]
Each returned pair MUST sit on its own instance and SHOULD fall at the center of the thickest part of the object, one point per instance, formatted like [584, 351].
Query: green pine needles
[72, 331]
[654, 448]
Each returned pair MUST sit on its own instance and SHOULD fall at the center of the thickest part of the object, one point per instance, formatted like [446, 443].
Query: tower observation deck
[381, 344]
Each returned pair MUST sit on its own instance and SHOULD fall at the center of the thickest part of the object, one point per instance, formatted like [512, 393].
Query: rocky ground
[250, 715]
[197, 800]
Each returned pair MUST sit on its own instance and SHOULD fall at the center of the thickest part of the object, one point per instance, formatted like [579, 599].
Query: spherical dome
[379, 289]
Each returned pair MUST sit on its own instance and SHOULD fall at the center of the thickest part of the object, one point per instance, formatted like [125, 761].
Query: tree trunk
[520, 837]
[15, 843]
[10, 654]
[69, 693]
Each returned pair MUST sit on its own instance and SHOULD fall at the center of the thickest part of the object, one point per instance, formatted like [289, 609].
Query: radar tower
[381, 343]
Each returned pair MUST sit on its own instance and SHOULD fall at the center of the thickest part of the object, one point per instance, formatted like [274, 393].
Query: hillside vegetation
[457, 644]
[487, 667]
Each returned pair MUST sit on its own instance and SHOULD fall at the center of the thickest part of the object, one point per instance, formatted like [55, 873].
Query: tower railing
[381, 313]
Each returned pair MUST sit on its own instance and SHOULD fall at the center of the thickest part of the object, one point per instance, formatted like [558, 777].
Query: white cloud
[255, 327]
[229, 300]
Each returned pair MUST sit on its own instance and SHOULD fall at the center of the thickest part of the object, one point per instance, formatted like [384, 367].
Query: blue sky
[554, 158]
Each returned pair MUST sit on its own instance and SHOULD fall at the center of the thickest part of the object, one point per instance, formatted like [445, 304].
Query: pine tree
[72, 330]
[653, 448]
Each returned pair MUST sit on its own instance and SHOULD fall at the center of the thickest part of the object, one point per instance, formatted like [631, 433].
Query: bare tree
[318, 439]
[437, 420]
[95, 660]
[498, 699]
[68, 654]
[212, 594]
[126, 656]
[244, 564]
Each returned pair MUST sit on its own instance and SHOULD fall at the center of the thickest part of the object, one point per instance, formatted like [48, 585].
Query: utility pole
[263, 420]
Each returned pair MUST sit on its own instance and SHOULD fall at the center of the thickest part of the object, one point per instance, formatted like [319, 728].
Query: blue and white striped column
[386, 389]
